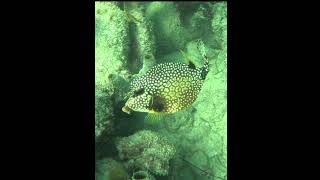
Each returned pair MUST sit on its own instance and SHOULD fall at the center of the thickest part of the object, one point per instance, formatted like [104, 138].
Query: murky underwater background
[130, 38]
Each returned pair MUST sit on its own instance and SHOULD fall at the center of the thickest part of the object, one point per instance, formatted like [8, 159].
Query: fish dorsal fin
[202, 49]
[185, 57]
[191, 65]
[187, 60]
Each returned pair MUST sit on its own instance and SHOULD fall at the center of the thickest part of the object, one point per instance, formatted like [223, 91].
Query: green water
[130, 38]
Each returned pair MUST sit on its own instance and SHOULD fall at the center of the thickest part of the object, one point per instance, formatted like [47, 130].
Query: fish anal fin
[152, 118]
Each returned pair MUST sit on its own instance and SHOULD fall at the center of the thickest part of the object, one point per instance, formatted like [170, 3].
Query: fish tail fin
[205, 68]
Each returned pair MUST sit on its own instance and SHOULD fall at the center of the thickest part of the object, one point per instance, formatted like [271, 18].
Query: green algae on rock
[111, 49]
[147, 150]
[109, 169]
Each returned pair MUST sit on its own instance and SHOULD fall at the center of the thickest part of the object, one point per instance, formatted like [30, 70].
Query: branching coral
[147, 150]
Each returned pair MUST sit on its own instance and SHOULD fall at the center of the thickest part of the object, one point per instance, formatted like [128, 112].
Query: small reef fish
[166, 88]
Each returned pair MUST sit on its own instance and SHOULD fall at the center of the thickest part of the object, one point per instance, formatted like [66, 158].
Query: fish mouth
[126, 109]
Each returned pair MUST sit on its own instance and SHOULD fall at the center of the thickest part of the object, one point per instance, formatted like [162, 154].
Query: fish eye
[158, 107]
[138, 92]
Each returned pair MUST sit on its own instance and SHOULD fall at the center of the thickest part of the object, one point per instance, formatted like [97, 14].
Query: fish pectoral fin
[152, 118]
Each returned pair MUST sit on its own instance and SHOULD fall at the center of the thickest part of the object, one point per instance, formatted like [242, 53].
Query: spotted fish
[166, 88]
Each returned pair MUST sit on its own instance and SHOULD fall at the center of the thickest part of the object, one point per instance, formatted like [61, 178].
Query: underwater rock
[142, 175]
[145, 39]
[202, 134]
[111, 74]
[147, 150]
[109, 169]
[112, 42]
[103, 115]
[196, 17]
[219, 23]
[169, 32]
[187, 7]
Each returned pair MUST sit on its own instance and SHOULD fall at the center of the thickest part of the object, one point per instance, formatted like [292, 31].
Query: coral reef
[109, 169]
[112, 42]
[219, 23]
[103, 114]
[169, 32]
[199, 133]
[128, 42]
[111, 50]
[145, 40]
[142, 175]
[147, 150]
[197, 23]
